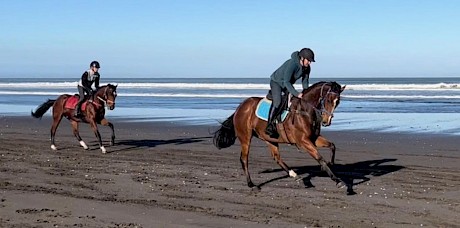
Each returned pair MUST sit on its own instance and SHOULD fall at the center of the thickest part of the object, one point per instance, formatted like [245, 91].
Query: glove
[89, 92]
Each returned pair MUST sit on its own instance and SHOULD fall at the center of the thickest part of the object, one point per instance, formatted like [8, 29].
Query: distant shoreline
[211, 77]
[413, 105]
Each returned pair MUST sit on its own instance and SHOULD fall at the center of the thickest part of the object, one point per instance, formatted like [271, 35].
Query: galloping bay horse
[301, 127]
[93, 113]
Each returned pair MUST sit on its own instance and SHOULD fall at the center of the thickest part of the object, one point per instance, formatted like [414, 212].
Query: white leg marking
[83, 144]
[292, 173]
[53, 147]
[103, 150]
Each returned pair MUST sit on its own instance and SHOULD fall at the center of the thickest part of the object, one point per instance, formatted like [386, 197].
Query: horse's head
[108, 94]
[324, 96]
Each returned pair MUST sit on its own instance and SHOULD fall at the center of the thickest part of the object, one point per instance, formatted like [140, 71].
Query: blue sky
[229, 38]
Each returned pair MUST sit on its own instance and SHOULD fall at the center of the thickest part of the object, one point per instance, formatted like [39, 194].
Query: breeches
[81, 91]
[276, 93]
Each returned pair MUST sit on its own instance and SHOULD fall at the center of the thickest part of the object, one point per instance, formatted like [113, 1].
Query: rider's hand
[300, 95]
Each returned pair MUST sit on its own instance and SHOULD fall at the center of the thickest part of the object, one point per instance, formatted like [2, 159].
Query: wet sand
[170, 175]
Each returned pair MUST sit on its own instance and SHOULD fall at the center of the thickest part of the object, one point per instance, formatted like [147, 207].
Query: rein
[298, 110]
[105, 99]
[321, 101]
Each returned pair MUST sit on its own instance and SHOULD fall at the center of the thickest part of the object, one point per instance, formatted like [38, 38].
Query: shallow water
[423, 105]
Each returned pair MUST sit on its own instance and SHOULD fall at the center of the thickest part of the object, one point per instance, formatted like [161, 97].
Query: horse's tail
[41, 110]
[225, 136]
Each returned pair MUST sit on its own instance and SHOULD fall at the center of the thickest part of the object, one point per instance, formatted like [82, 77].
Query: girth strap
[283, 133]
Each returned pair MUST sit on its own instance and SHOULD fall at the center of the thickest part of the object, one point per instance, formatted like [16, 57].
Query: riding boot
[271, 129]
[78, 110]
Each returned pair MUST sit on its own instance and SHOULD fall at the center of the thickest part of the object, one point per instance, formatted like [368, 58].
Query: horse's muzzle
[328, 122]
[327, 119]
[110, 104]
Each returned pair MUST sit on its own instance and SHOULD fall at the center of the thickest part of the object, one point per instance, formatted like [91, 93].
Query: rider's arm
[290, 70]
[85, 83]
[96, 81]
[305, 78]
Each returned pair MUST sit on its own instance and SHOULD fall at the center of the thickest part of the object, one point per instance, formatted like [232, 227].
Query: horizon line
[164, 77]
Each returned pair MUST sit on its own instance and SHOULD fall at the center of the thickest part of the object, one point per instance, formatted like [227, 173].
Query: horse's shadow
[360, 171]
[150, 143]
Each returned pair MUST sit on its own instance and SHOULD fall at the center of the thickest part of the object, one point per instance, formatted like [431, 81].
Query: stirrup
[272, 131]
[77, 114]
[274, 135]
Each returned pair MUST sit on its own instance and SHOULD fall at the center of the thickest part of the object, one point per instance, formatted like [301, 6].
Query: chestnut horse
[92, 114]
[301, 127]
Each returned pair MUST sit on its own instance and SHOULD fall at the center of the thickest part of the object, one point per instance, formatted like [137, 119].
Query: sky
[229, 38]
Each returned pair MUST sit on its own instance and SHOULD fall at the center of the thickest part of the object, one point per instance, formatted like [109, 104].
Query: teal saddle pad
[264, 107]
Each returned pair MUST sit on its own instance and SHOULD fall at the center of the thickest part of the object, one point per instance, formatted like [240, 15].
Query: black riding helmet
[307, 53]
[95, 64]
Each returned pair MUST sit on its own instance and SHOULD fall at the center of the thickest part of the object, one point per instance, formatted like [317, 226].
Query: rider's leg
[81, 91]
[274, 109]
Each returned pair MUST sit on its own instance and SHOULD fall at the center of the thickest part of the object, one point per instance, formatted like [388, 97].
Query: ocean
[419, 105]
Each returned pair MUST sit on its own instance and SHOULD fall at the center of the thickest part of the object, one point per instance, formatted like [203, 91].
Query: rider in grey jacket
[284, 78]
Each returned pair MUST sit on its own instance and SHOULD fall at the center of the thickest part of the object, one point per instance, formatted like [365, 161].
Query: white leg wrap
[103, 150]
[53, 147]
[292, 173]
[83, 144]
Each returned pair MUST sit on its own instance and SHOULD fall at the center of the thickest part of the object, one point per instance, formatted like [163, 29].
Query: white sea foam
[439, 123]
[444, 123]
[436, 86]
[33, 93]
[139, 94]
[233, 86]
[190, 95]
[39, 85]
[233, 95]
[217, 86]
[392, 97]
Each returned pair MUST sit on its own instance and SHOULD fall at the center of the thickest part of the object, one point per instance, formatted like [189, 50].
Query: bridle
[323, 106]
[105, 99]
[321, 101]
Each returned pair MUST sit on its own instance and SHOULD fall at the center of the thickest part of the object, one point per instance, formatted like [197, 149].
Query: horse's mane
[114, 87]
[111, 86]
[335, 87]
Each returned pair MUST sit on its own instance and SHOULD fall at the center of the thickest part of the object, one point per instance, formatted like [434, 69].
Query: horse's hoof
[298, 178]
[103, 150]
[351, 192]
[53, 147]
[293, 174]
[83, 144]
[112, 143]
[341, 184]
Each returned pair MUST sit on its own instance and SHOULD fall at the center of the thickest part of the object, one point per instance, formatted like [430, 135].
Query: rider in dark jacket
[284, 79]
[84, 85]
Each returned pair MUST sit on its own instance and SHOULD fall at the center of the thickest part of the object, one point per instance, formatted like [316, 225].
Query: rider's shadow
[352, 174]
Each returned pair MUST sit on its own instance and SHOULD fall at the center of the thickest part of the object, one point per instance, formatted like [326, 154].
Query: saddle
[284, 99]
[72, 101]
[263, 108]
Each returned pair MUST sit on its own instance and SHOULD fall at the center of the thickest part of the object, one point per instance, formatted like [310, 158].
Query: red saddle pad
[71, 103]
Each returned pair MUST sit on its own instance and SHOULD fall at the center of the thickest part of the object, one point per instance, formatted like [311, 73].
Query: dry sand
[168, 175]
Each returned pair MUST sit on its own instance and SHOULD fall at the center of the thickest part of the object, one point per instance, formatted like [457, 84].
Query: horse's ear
[343, 88]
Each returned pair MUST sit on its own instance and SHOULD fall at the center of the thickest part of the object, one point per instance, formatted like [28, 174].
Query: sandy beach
[161, 174]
